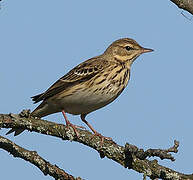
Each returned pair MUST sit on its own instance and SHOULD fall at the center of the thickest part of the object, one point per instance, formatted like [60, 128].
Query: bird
[90, 85]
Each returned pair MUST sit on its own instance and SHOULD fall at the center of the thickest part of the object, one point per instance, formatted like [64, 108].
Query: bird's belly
[88, 101]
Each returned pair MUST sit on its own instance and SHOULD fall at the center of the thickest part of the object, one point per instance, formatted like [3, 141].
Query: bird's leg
[93, 130]
[69, 124]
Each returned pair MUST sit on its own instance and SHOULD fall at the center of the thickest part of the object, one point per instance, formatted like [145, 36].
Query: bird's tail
[35, 113]
[36, 98]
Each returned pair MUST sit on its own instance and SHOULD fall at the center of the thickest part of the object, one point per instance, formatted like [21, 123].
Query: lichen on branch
[129, 156]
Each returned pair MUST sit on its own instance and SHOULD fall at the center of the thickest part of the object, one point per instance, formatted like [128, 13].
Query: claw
[94, 131]
[74, 127]
[101, 137]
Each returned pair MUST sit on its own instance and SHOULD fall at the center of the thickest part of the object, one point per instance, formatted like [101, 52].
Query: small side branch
[34, 158]
[161, 153]
[184, 4]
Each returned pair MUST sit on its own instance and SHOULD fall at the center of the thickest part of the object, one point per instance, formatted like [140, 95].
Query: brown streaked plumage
[91, 85]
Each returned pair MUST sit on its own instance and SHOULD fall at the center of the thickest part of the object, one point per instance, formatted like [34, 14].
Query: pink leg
[69, 124]
[94, 131]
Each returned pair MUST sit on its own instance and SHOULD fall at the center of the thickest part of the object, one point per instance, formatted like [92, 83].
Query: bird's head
[126, 50]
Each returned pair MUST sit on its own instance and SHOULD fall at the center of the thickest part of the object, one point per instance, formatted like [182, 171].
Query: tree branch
[128, 156]
[161, 153]
[184, 4]
[34, 158]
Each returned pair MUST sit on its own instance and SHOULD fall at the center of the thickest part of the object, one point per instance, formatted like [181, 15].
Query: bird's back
[89, 86]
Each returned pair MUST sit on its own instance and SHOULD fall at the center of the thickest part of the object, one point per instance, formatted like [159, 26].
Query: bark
[129, 156]
[184, 4]
[34, 158]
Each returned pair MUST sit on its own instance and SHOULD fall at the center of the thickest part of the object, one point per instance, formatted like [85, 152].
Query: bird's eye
[128, 48]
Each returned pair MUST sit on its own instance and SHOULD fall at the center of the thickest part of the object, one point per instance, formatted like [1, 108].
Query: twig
[161, 153]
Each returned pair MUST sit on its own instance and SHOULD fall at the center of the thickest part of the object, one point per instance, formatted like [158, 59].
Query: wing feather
[81, 73]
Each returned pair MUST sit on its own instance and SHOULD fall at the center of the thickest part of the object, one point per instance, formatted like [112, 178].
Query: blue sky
[43, 40]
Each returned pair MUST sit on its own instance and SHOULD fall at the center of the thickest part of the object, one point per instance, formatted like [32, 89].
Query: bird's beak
[145, 50]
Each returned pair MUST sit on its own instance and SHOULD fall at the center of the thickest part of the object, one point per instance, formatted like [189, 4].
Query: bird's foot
[101, 137]
[75, 127]
[69, 124]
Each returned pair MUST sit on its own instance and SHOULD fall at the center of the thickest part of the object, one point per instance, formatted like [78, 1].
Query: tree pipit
[91, 85]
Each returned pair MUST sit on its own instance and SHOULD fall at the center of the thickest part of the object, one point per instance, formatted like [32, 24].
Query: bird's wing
[79, 74]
